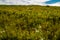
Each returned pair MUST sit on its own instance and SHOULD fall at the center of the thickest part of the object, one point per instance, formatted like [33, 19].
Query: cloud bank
[22, 2]
[28, 2]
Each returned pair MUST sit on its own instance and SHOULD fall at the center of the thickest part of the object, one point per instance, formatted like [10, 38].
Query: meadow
[29, 22]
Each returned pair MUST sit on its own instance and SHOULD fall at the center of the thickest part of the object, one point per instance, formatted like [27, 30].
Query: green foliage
[29, 23]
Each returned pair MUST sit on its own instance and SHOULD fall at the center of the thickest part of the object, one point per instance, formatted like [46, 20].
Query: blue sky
[52, 1]
[30, 2]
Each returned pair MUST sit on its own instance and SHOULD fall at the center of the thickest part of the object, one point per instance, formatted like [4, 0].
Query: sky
[31, 2]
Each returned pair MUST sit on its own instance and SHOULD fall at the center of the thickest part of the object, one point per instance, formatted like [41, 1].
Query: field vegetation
[29, 22]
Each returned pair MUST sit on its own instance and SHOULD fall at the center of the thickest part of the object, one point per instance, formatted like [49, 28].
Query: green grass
[29, 22]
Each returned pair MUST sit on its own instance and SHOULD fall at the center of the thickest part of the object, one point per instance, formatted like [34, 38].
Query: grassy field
[29, 22]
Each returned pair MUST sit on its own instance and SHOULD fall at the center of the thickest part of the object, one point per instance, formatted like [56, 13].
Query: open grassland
[29, 22]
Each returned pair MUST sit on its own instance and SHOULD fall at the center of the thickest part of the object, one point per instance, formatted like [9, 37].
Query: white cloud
[27, 2]
[42, 0]
[55, 4]
[22, 2]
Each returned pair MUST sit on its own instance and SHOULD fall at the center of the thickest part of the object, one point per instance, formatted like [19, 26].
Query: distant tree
[47, 6]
